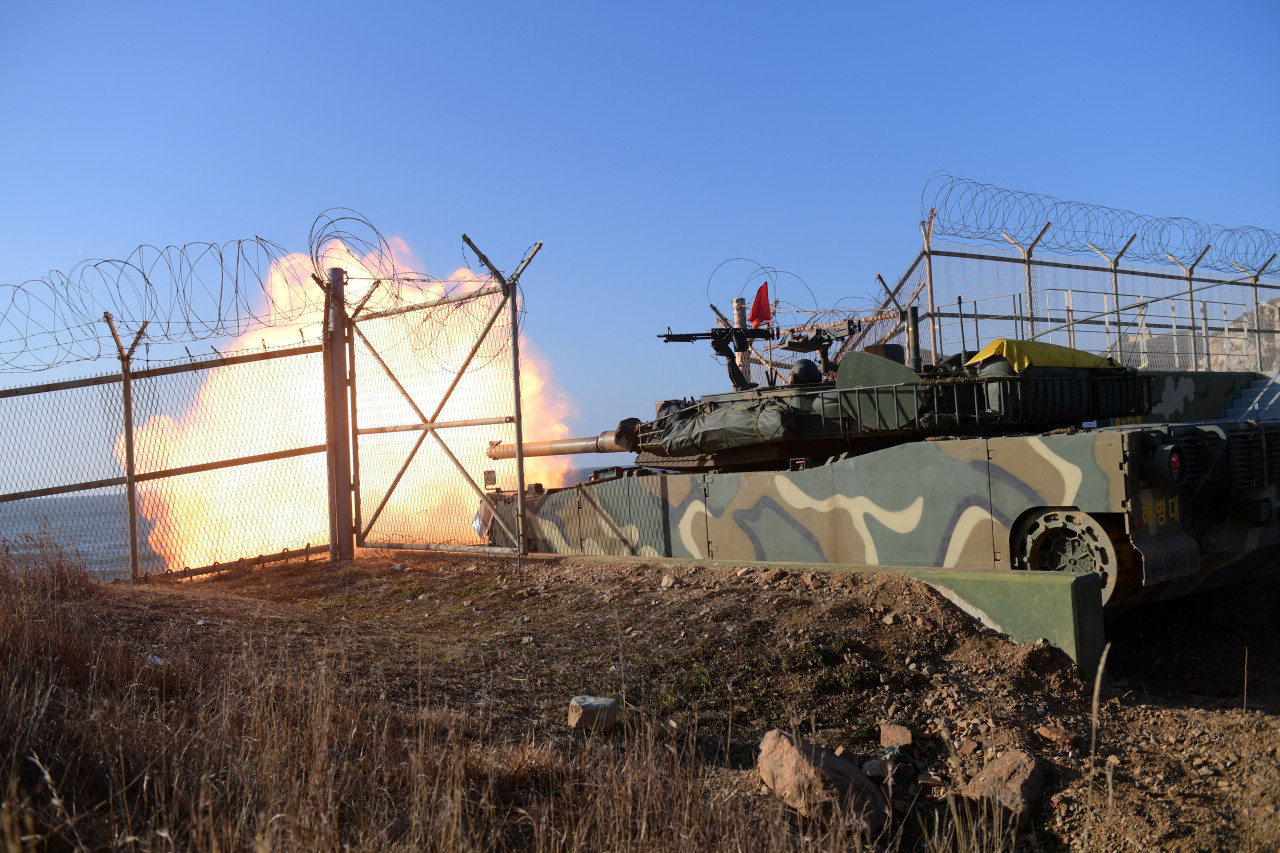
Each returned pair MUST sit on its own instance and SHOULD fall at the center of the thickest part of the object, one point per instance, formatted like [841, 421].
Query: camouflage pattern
[954, 511]
[945, 504]
[1188, 396]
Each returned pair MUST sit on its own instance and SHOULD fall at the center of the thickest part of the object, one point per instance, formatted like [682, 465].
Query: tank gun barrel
[619, 440]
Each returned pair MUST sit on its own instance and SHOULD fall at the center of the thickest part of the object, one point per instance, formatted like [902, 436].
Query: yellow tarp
[1024, 354]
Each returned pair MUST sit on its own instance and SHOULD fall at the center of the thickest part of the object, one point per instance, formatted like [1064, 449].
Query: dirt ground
[1187, 753]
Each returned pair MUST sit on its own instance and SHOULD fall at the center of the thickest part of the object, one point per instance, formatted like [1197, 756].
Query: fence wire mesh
[420, 487]
[210, 484]
[40, 429]
[89, 524]
[1143, 317]
[243, 456]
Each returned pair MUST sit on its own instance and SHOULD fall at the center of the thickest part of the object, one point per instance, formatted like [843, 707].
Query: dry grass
[105, 746]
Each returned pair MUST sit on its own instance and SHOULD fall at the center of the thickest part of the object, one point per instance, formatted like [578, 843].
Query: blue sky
[643, 143]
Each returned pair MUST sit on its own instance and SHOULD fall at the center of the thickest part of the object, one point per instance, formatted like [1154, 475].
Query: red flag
[760, 312]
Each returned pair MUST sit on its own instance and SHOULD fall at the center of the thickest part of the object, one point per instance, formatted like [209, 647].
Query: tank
[1021, 458]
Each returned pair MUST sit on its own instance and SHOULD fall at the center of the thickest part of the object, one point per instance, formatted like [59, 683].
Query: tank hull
[1076, 502]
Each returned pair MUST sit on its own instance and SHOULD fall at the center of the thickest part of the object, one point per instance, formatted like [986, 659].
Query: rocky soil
[1185, 753]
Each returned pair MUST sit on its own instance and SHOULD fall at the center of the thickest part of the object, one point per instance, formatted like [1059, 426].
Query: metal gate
[422, 389]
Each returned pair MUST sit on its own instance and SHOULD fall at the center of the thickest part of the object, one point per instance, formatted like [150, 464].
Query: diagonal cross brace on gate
[430, 425]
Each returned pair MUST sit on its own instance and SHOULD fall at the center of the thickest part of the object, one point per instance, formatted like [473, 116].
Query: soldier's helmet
[805, 372]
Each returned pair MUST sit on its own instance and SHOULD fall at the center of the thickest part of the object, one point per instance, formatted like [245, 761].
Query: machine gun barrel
[671, 337]
[620, 440]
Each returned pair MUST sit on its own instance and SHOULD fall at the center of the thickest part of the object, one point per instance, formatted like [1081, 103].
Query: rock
[773, 576]
[968, 746]
[885, 678]
[812, 779]
[875, 770]
[743, 571]
[527, 640]
[592, 713]
[892, 734]
[424, 596]
[1014, 782]
[891, 619]
[1057, 735]
[398, 567]
[668, 581]
[813, 581]
[524, 619]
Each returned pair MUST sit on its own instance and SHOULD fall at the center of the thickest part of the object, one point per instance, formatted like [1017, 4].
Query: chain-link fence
[228, 463]
[373, 431]
[1143, 316]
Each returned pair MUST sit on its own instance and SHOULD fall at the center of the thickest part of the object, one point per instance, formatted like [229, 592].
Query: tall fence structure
[1152, 293]
[260, 452]
[1159, 293]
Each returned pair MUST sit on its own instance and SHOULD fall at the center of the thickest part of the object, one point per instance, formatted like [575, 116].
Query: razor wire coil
[971, 210]
[208, 291]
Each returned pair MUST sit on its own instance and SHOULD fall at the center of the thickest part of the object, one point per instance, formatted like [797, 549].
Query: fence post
[338, 424]
[740, 322]
[1026, 260]
[130, 471]
[513, 293]
[1191, 303]
[1106, 324]
[1204, 333]
[1143, 336]
[927, 231]
[1114, 263]
[1069, 311]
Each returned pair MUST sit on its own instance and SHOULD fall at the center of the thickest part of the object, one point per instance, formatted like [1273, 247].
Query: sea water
[93, 527]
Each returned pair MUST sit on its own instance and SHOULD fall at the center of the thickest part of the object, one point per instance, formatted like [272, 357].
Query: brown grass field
[320, 707]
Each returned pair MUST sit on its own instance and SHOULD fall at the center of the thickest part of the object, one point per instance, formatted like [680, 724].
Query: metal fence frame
[131, 477]
[1132, 321]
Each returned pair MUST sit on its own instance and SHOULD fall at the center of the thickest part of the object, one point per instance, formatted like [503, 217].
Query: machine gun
[725, 342]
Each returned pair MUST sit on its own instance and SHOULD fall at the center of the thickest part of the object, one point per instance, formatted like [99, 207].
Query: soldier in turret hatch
[806, 372]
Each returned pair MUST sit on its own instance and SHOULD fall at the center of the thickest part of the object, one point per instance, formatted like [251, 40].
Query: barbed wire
[206, 291]
[185, 293]
[975, 211]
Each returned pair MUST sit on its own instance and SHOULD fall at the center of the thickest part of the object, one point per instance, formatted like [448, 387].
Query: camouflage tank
[1023, 458]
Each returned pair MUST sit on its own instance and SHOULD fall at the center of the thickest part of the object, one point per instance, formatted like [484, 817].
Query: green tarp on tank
[724, 427]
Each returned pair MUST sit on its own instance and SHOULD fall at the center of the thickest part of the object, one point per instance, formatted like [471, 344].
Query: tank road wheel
[1066, 540]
